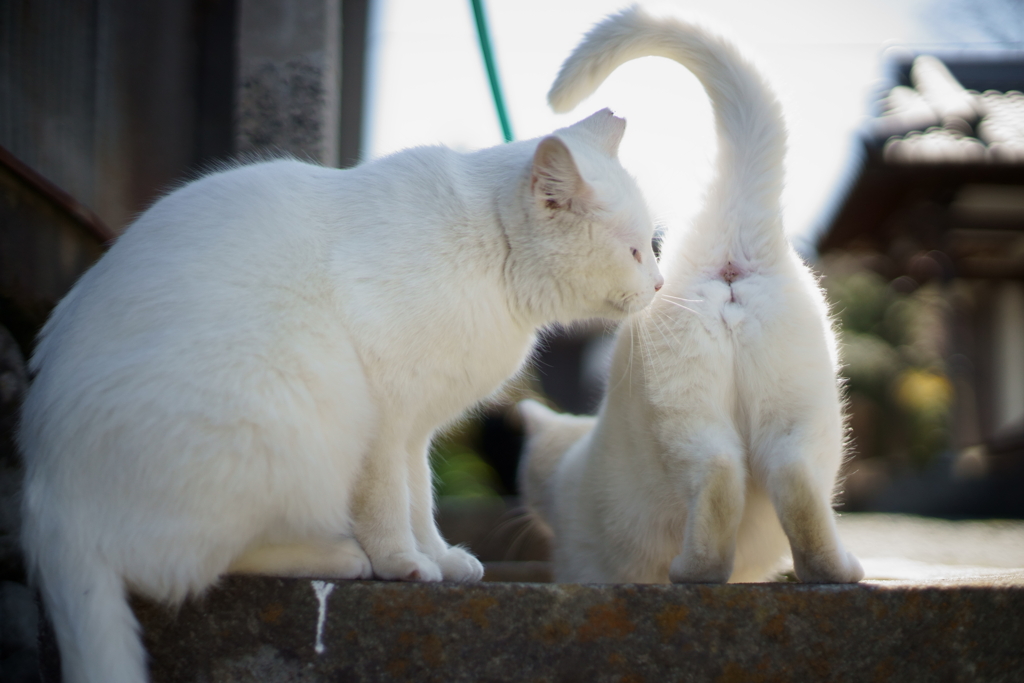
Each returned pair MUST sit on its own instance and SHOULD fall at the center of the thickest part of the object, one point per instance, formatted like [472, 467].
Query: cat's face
[623, 264]
[596, 227]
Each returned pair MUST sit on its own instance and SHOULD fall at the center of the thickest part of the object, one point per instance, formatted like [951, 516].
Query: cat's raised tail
[748, 117]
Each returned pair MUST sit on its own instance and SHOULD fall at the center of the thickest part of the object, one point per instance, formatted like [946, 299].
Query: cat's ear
[557, 183]
[607, 128]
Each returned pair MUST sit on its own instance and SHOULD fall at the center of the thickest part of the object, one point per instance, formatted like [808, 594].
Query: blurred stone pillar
[1008, 355]
[289, 72]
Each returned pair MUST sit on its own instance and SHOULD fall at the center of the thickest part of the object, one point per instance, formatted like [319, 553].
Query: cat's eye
[636, 255]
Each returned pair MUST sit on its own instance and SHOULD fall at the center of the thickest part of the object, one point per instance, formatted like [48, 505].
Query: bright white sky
[824, 57]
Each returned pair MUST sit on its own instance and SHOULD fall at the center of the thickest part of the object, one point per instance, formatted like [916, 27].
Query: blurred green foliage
[458, 470]
[892, 343]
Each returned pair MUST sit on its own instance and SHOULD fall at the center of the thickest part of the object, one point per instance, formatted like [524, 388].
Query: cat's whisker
[508, 520]
[520, 538]
[626, 371]
[648, 343]
[679, 298]
[644, 351]
[671, 328]
[659, 326]
[664, 328]
[648, 348]
[515, 523]
[628, 376]
[687, 308]
[653, 353]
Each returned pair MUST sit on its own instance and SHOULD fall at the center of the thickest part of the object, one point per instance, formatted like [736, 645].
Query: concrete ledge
[273, 630]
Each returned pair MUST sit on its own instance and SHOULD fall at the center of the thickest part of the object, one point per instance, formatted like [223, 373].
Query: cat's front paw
[840, 568]
[459, 565]
[348, 561]
[686, 570]
[406, 566]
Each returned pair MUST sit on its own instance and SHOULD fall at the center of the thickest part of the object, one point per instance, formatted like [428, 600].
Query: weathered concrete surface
[267, 629]
[944, 601]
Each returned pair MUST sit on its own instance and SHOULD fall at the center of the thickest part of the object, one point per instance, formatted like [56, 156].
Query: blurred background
[905, 187]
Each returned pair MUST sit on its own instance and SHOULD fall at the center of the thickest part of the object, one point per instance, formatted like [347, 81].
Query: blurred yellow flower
[924, 391]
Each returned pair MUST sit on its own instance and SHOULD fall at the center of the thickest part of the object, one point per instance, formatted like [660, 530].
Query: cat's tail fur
[95, 627]
[549, 435]
[748, 117]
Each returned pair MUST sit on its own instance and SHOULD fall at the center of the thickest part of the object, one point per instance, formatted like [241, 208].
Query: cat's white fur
[723, 416]
[250, 378]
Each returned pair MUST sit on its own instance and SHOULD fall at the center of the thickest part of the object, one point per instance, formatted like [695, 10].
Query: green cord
[492, 69]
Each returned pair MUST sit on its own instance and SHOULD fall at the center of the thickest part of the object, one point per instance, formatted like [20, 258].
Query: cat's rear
[723, 405]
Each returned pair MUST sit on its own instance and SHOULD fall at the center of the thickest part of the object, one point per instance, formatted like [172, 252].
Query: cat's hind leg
[456, 563]
[712, 476]
[339, 558]
[801, 493]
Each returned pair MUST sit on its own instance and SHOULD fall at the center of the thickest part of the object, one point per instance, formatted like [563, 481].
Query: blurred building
[105, 105]
[938, 200]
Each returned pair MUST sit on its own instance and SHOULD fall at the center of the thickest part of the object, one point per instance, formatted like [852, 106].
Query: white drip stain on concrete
[322, 590]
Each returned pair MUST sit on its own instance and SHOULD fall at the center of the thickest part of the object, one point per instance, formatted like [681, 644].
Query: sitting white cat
[724, 416]
[250, 378]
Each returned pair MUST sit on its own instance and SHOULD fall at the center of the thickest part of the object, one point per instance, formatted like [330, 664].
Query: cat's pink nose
[658, 284]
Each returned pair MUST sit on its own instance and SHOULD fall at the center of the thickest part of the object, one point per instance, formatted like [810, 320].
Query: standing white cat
[724, 416]
[250, 378]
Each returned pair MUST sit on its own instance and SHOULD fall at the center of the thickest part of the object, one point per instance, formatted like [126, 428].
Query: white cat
[731, 420]
[250, 378]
